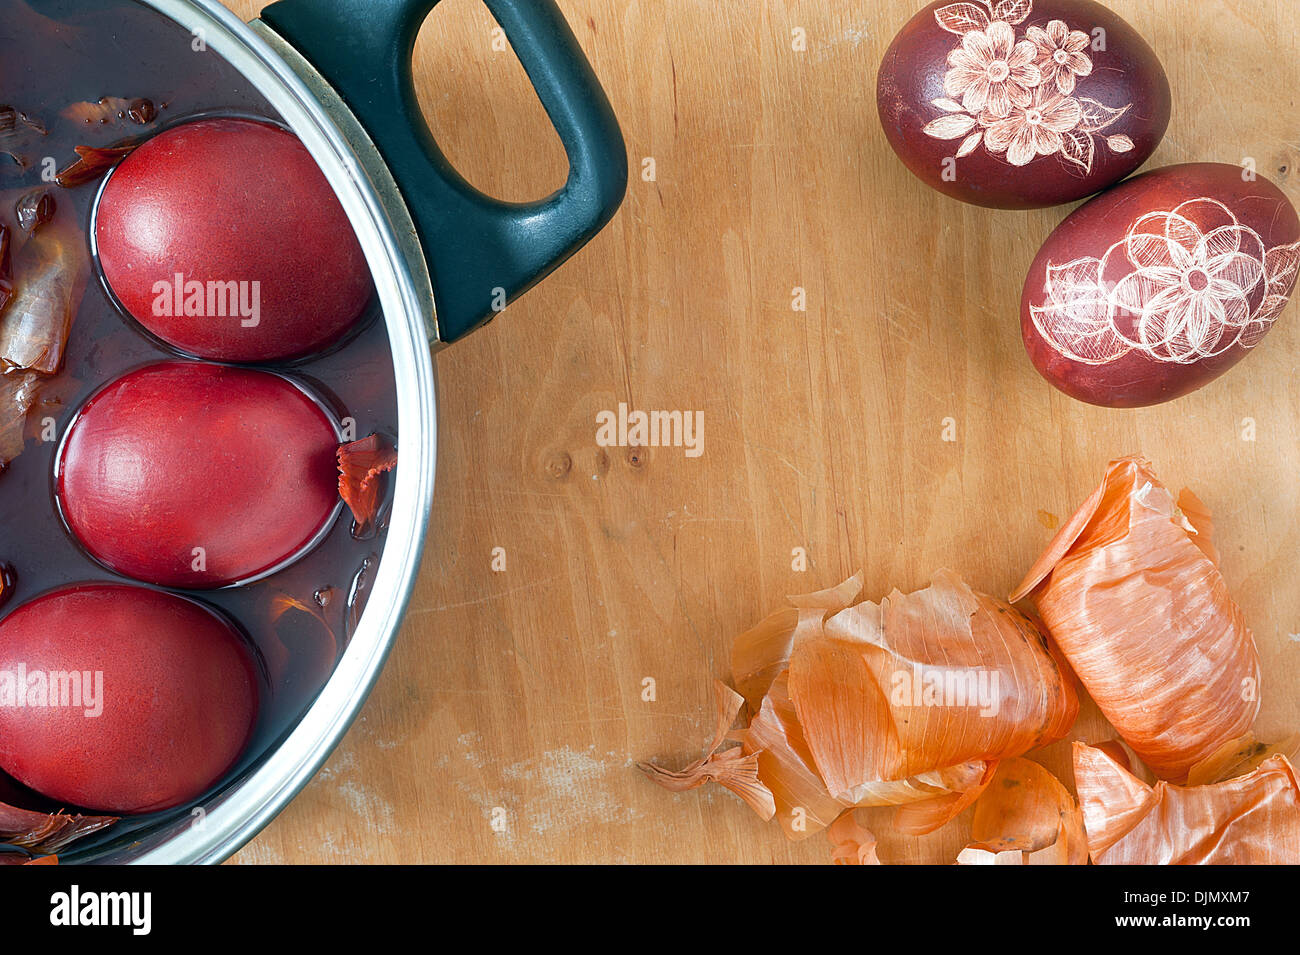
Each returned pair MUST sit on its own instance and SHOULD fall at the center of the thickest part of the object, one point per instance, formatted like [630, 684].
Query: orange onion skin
[865, 729]
[1252, 819]
[1137, 605]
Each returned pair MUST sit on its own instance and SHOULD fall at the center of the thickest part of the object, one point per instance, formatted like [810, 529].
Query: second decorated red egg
[1160, 285]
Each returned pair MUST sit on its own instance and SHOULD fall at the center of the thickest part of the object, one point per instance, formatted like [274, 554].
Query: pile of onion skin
[929, 702]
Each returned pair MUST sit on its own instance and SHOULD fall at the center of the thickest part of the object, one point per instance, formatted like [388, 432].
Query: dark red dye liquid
[82, 50]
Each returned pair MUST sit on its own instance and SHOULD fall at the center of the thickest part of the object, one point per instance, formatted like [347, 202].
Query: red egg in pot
[223, 238]
[133, 700]
[1160, 285]
[1019, 104]
[193, 475]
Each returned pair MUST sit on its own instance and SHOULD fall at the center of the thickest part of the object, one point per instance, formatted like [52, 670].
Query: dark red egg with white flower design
[1020, 104]
[1160, 285]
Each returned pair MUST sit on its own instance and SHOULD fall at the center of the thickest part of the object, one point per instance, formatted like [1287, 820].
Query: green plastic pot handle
[482, 252]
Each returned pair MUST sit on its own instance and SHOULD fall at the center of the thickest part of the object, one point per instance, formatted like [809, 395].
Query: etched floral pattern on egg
[1160, 285]
[1021, 103]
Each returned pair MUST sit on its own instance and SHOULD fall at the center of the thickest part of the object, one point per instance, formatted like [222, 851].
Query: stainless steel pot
[444, 259]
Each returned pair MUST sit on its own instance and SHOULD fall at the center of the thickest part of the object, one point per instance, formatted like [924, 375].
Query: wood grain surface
[520, 690]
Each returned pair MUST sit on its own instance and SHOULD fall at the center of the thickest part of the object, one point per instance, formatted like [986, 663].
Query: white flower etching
[1192, 283]
[1058, 52]
[991, 71]
[1035, 129]
[1014, 95]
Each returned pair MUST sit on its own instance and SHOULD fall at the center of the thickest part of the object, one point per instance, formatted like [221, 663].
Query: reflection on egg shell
[1160, 285]
[223, 238]
[194, 475]
[134, 700]
[1020, 104]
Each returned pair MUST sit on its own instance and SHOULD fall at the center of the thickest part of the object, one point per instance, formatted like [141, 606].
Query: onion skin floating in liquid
[50, 275]
[40, 830]
[362, 465]
[1252, 819]
[18, 392]
[1133, 599]
[46, 831]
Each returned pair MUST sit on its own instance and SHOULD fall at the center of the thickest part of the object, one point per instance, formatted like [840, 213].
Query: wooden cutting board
[507, 724]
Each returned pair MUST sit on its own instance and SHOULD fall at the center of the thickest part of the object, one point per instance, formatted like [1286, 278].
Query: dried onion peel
[944, 680]
[730, 768]
[1026, 817]
[1240, 756]
[1252, 819]
[298, 652]
[909, 702]
[851, 844]
[1132, 596]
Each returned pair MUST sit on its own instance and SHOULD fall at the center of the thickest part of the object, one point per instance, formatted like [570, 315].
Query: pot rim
[230, 819]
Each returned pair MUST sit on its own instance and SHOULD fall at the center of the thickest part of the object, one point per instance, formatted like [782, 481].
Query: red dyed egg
[186, 474]
[224, 239]
[1018, 104]
[1161, 284]
[122, 699]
